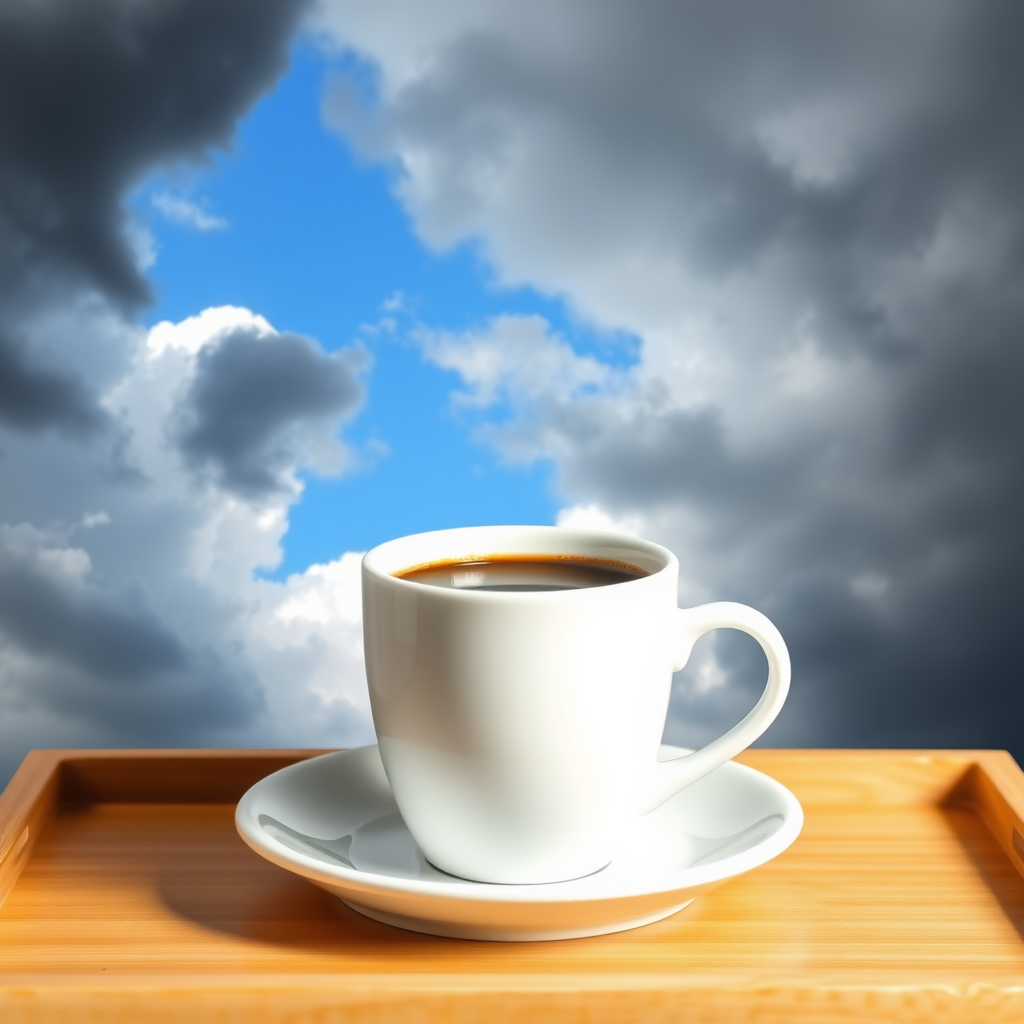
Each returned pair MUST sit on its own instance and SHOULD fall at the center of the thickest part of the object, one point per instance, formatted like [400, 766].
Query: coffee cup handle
[670, 777]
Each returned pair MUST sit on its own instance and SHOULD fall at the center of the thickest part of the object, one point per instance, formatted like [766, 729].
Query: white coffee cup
[520, 731]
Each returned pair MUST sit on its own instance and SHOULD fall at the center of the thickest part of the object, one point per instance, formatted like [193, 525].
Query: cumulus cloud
[262, 403]
[130, 606]
[92, 96]
[147, 476]
[809, 215]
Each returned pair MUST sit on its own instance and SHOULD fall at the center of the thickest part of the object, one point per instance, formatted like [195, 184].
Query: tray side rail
[988, 782]
[49, 779]
[993, 787]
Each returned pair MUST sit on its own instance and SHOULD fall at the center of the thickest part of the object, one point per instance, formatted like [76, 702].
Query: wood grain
[899, 902]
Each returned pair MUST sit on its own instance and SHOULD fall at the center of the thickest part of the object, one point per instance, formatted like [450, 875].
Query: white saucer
[333, 820]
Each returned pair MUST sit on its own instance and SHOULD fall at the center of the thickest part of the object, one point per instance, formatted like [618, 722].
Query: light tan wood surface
[134, 899]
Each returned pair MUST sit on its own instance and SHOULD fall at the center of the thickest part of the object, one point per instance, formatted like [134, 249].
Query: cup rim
[384, 560]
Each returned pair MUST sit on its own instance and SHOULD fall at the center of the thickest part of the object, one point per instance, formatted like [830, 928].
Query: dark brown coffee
[523, 573]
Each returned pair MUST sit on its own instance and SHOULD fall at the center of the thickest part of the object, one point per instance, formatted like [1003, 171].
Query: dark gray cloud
[253, 399]
[102, 656]
[55, 615]
[34, 397]
[888, 551]
[708, 138]
[94, 94]
[810, 214]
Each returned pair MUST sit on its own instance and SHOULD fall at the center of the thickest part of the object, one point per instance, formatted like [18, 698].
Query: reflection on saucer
[384, 846]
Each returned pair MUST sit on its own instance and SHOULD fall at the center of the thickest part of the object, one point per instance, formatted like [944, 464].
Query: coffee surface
[526, 574]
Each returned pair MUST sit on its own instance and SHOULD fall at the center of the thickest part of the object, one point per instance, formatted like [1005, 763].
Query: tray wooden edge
[993, 787]
[48, 779]
[987, 782]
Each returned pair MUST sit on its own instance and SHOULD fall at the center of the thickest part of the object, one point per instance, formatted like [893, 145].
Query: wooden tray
[129, 896]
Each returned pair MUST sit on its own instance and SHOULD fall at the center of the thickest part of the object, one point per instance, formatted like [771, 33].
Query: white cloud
[515, 358]
[220, 654]
[205, 328]
[187, 213]
[593, 517]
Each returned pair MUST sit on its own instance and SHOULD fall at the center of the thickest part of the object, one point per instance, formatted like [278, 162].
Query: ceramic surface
[333, 820]
[520, 731]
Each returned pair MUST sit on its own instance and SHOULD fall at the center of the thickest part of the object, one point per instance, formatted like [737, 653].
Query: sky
[277, 286]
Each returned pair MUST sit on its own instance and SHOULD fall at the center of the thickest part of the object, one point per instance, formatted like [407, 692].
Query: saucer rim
[675, 880]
